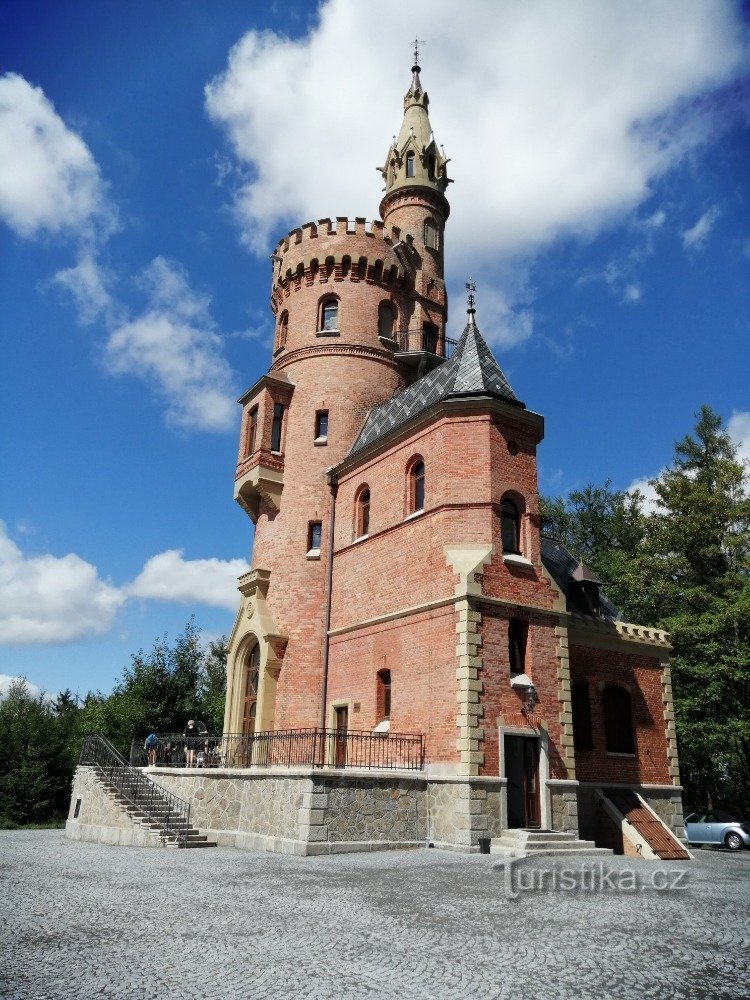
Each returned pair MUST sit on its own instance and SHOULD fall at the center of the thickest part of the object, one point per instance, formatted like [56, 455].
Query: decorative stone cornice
[602, 633]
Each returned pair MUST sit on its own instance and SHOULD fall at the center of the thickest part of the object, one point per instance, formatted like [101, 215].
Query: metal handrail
[429, 341]
[308, 747]
[158, 805]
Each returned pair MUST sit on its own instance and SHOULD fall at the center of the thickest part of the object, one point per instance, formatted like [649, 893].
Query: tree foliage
[160, 689]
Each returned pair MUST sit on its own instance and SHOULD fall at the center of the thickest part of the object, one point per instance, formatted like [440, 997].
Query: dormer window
[588, 589]
[410, 164]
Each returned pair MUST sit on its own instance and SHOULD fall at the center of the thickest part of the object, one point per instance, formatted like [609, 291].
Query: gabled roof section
[472, 371]
[562, 566]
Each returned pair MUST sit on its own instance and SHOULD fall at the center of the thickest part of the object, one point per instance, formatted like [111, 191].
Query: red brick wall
[498, 698]
[641, 675]
[420, 652]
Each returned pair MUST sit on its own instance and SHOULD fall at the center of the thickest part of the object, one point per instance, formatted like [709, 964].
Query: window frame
[383, 701]
[321, 435]
[362, 513]
[250, 700]
[277, 428]
[282, 330]
[410, 165]
[329, 302]
[417, 481]
[251, 431]
[509, 502]
[314, 528]
[430, 226]
[382, 307]
[619, 731]
[518, 642]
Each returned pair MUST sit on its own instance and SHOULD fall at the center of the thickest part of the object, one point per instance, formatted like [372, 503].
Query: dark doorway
[522, 772]
[342, 725]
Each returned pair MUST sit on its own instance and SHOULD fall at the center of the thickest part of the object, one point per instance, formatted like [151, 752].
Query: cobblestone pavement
[85, 920]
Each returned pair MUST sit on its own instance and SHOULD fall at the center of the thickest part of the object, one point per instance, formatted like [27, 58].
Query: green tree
[212, 684]
[603, 528]
[692, 577]
[35, 779]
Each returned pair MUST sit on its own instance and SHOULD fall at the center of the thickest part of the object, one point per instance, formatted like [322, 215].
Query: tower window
[431, 168]
[581, 704]
[510, 527]
[618, 720]
[321, 425]
[252, 431]
[429, 338]
[416, 487]
[430, 234]
[363, 514]
[410, 165]
[386, 319]
[329, 315]
[314, 536]
[517, 636]
[282, 330]
[276, 426]
[250, 704]
[384, 695]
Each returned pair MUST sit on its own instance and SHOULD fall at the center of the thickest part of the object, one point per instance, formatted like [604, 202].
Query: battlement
[337, 250]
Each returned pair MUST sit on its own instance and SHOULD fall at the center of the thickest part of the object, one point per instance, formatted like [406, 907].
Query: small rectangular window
[314, 536]
[77, 809]
[517, 635]
[252, 431]
[384, 695]
[321, 425]
[278, 420]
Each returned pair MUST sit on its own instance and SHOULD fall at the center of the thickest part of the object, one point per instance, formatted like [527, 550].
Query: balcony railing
[424, 341]
[289, 748]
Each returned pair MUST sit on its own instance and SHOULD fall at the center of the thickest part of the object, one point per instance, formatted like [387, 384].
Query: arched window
[383, 706]
[430, 234]
[282, 330]
[618, 720]
[410, 164]
[250, 705]
[363, 513]
[416, 487]
[386, 319]
[329, 315]
[510, 524]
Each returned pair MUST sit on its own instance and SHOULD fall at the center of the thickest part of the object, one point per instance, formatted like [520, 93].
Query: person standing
[150, 747]
[192, 735]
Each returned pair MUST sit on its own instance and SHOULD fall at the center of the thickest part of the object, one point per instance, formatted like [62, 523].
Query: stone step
[552, 852]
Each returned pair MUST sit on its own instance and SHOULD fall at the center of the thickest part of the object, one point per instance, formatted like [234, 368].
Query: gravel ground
[85, 920]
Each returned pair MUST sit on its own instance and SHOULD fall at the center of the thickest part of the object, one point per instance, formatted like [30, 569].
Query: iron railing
[424, 340]
[155, 804]
[289, 748]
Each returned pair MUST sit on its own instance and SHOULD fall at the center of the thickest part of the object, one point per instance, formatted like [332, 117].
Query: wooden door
[342, 725]
[531, 782]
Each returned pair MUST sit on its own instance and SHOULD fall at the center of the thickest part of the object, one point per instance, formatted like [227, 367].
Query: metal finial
[417, 43]
[470, 288]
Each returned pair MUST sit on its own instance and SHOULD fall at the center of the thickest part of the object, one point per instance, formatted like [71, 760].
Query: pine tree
[692, 577]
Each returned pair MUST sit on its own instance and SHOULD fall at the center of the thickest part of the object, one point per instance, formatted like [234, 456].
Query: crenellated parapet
[332, 251]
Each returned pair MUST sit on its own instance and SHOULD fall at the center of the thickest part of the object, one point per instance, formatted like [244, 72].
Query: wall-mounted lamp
[530, 700]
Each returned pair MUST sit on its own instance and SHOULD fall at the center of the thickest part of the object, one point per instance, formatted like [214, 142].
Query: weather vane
[417, 43]
[470, 288]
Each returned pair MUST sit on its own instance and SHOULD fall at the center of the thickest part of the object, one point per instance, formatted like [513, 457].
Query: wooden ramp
[657, 835]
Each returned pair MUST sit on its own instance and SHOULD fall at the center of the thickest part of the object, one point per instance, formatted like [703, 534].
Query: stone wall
[564, 802]
[100, 818]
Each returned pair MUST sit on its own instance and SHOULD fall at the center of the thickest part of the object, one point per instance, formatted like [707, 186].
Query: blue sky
[150, 156]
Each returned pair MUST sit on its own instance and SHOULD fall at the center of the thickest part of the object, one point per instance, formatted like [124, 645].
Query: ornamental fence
[424, 340]
[287, 748]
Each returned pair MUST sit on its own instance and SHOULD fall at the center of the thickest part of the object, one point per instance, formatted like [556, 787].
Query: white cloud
[50, 599]
[49, 181]
[651, 503]
[738, 428]
[170, 577]
[7, 682]
[174, 346]
[559, 120]
[694, 237]
[88, 283]
[632, 294]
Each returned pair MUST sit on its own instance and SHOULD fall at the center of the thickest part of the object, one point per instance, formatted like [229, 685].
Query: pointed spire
[470, 288]
[414, 159]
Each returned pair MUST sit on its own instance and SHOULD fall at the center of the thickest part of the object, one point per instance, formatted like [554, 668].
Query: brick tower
[360, 311]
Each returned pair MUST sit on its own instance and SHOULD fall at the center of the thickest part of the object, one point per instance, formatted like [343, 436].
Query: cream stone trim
[669, 724]
[415, 609]
[532, 732]
[605, 634]
[259, 483]
[467, 561]
[254, 623]
[567, 749]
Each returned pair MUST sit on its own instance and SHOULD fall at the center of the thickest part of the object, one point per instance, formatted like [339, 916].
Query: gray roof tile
[472, 371]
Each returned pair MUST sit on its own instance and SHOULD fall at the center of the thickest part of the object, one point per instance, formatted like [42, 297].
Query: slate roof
[561, 566]
[472, 371]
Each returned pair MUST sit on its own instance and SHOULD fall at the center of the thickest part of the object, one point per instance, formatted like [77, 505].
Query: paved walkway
[84, 920]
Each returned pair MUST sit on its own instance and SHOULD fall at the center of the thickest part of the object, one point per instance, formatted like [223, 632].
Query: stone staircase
[538, 843]
[149, 807]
